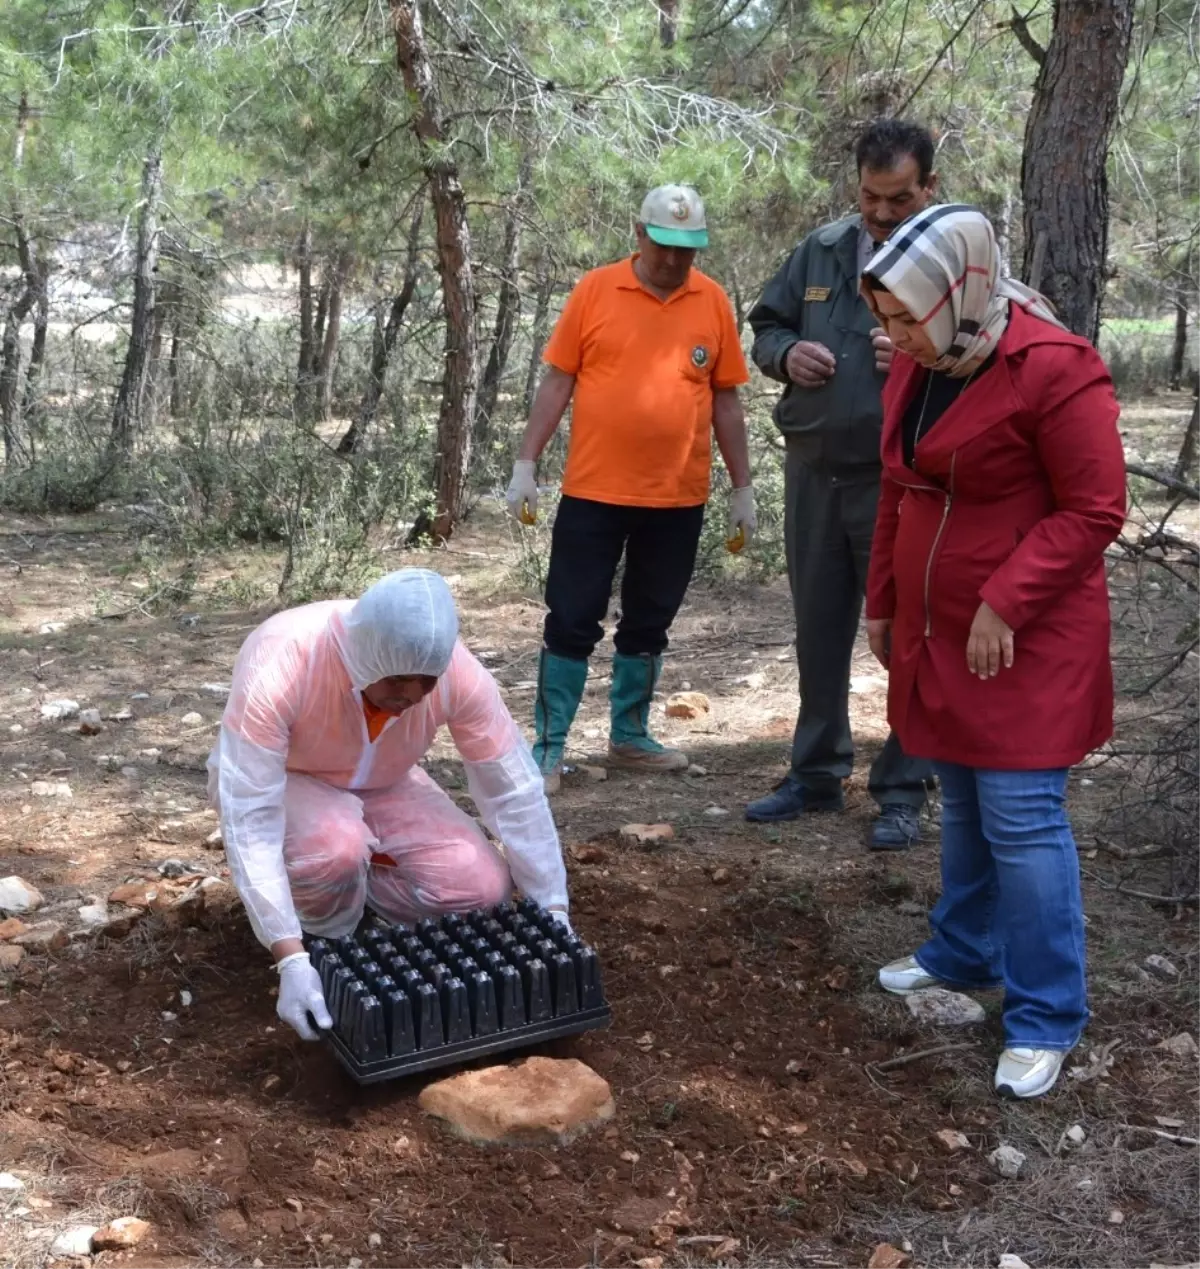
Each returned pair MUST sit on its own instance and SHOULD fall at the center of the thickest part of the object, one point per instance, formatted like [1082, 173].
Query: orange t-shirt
[645, 372]
[377, 719]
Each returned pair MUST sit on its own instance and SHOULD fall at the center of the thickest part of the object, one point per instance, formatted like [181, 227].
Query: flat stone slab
[539, 1100]
[943, 1008]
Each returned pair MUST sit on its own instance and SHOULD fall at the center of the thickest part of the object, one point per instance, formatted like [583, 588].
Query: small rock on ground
[18, 896]
[648, 834]
[192, 720]
[90, 722]
[1075, 1135]
[10, 1182]
[1007, 1160]
[885, 1256]
[10, 927]
[10, 956]
[218, 691]
[94, 915]
[125, 1231]
[951, 1140]
[59, 711]
[540, 1099]
[587, 853]
[50, 789]
[1009, 1261]
[76, 1241]
[688, 705]
[44, 936]
[942, 1008]
[1181, 1045]
[1160, 967]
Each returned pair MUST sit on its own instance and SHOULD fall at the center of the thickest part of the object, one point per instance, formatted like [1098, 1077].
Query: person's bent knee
[327, 873]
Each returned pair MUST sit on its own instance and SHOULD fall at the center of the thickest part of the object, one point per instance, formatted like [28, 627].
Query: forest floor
[739, 961]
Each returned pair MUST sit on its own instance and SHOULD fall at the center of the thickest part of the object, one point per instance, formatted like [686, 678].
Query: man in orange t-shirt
[647, 353]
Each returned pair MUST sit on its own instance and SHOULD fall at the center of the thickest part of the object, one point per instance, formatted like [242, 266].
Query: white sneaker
[1028, 1072]
[552, 780]
[906, 975]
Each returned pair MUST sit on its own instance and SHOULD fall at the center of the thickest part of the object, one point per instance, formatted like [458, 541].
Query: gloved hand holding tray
[443, 991]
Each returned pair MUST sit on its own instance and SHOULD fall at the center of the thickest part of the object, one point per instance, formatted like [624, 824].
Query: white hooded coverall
[318, 819]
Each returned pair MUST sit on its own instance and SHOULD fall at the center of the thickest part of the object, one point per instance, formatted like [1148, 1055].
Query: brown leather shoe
[637, 758]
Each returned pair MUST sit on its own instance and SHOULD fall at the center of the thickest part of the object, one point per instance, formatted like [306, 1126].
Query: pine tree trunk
[154, 368]
[37, 354]
[1185, 464]
[174, 375]
[508, 308]
[130, 402]
[541, 329]
[10, 377]
[461, 374]
[10, 346]
[384, 339]
[332, 333]
[1179, 348]
[304, 366]
[1063, 181]
[668, 22]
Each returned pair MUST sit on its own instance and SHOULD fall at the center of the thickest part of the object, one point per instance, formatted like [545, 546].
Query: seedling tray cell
[406, 998]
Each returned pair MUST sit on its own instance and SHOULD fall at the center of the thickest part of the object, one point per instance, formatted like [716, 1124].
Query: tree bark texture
[460, 375]
[37, 354]
[128, 408]
[1063, 181]
[1179, 348]
[307, 358]
[333, 290]
[383, 340]
[33, 289]
[540, 330]
[508, 307]
[1185, 464]
[668, 22]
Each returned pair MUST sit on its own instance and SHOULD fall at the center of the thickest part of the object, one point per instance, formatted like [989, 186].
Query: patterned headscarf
[944, 267]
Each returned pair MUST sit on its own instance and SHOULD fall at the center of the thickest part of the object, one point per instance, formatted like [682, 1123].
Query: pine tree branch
[1019, 25]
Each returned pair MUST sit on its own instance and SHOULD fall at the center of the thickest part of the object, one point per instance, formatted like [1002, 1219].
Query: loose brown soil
[751, 1124]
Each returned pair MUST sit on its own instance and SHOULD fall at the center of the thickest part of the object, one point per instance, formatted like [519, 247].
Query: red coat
[1017, 490]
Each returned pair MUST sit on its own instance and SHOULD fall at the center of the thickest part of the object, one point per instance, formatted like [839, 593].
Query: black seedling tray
[409, 998]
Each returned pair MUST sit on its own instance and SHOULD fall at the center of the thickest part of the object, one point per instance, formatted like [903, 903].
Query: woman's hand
[879, 636]
[989, 645]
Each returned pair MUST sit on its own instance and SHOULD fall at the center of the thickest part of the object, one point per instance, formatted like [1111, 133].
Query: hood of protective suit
[405, 624]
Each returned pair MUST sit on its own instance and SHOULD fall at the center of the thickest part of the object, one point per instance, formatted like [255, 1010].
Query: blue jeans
[1011, 911]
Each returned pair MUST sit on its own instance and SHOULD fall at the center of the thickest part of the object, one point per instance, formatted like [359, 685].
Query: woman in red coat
[1004, 482]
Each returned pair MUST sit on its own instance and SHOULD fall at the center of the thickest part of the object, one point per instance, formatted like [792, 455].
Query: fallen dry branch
[1164, 478]
[895, 1063]
[1158, 1132]
[1149, 896]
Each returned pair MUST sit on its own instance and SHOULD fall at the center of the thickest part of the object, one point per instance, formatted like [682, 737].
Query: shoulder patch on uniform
[816, 293]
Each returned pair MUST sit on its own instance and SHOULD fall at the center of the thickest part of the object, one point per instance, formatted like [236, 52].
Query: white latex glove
[300, 994]
[522, 496]
[742, 516]
[559, 917]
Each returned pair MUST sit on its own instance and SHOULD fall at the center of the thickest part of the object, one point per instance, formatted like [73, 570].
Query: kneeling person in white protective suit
[323, 807]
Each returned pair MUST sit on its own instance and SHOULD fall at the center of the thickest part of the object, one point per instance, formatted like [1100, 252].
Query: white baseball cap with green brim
[674, 217]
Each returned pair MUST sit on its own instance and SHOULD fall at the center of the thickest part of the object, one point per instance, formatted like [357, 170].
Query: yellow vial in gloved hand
[734, 544]
[527, 516]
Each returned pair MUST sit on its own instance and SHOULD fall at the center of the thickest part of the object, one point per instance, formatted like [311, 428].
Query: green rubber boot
[559, 691]
[630, 744]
